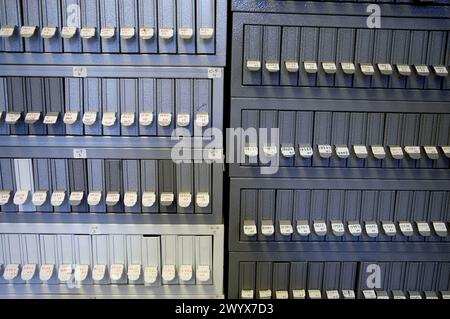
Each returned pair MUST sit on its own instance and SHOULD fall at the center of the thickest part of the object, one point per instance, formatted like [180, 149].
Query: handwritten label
[39, 198]
[206, 33]
[202, 199]
[250, 230]
[107, 33]
[134, 272]
[251, 150]
[270, 150]
[342, 151]
[281, 294]
[20, 197]
[348, 68]
[329, 67]
[164, 119]
[184, 199]
[5, 196]
[360, 151]
[70, 118]
[146, 118]
[12, 117]
[202, 119]
[325, 151]
[32, 117]
[48, 32]
[292, 66]
[404, 69]
[148, 199]
[46, 272]
[367, 69]
[27, 31]
[116, 271]
[337, 228]
[272, 67]
[68, 32]
[89, 118]
[130, 199]
[98, 272]
[150, 274]
[127, 119]
[320, 228]
[203, 273]
[112, 199]
[389, 228]
[127, 33]
[253, 65]
[7, 31]
[185, 272]
[167, 199]
[385, 68]
[28, 272]
[186, 33]
[422, 70]
[81, 272]
[247, 294]
[109, 119]
[166, 33]
[168, 272]
[440, 70]
[51, 118]
[146, 33]
[87, 33]
[11, 272]
[58, 198]
[183, 119]
[65, 273]
[79, 153]
[310, 67]
[298, 294]
[406, 228]
[267, 229]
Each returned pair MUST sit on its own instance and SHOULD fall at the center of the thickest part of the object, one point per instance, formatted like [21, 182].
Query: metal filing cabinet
[350, 200]
[96, 98]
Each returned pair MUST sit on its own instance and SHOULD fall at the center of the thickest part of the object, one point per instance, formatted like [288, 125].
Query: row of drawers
[343, 215]
[344, 280]
[130, 107]
[109, 26]
[115, 186]
[106, 259]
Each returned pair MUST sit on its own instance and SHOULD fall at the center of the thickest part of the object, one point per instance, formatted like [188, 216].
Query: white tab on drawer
[303, 228]
[320, 228]
[183, 119]
[360, 151]
[354, 228]
[51, 118]
[32, 117]
[203, 273]
[306, 151]
[134, 272]
[414, 295]
[348, 67]
[166, 33]
[286, 228]
[310, 67]
[70, 118]
[46, 272]
[127, 118]
[250, 228]
[329, 67]
[281, 294]
[11, 272]
[39, 198]
[146, 33]
[298, 294]
[423, 228]
[167, 199]
[94, 198]
[185, 272]
[206, 33]
[267, 228]
[148, 199]
[75, 198]
[184, 199]
[337, 227]
[389, 228]
[202, 199]
[446, 150]
[369, 294]
[325, 151]
[372, 229]
[164, 119]
[116, 271]
[112, 198]
[98, 272]
[406, 228]
[422, 70]
[385, 68]
[291, 66]
[440, 70]
[272, 67]
[202, 119]
[413, 152]
[58, 198]
[288, 151]
[5, 197]
[48, 32]
[68, 32]
[109, 119]
[146, 118]
[247, 294]
[7, 31]
[65, 272]
[12, 117]
[150, 274]
[130, 199]
[430, 295]
[21, 197]
[440, 229]
[270, 150]
[398, 295]
[333, 294]
[314, 294]
[251, 150]
[81, 272]
[253, 65]
[89, 118]
[168, 272]
[382, 295]
[378, 151]
[367, 69]
[107, 32]
[348, 294]
[265, 294]
[404, 69]
[27, 31]
[396, 152]
[87, 33]
[432, 152]
[127, 33]
[186, 33]
[342, 151]
[28, 272]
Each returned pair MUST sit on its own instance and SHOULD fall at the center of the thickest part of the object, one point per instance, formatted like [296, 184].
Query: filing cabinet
[148, 32]
[339, 184]
[172, 262]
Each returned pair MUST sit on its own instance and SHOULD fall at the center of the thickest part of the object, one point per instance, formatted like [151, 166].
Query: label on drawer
[267, 229]
[385, 68]
[32, 117]
[148, 199]
[303, 228]
[360, 151]
[270, 150]
[186, 33]
[70, 118]
[46, 272]
[39, 198]
[320, 228]
[281, 294]
[286, 229]
[348, 68]
[367, 69]
[27, 31]
[116, 271]
[329, 67]
[424, 229]
[164, 119]
[183, 119]
[422, 70]
[134, 272]
[288, 151]
[112, 199]
[87, 33]
[168, 272]
[12, 117]
[355, 229]
[68, 32]
[404, 69]
[127, 118]
[396, 152]
[348, 294]
[130, 199]
[166, 33]
[272, 67]
[247, 294]
[378, 151]
[413, 152]
[325, 151]
[28, 272]
[298, 294]
[81, 272]
[254, 65]
[369, 294]
[127, 33]
[51, 118]
[7, 31]
[337, 228]
[292, 66]
[389, 228]
[250, 230]
[202, 119]
[20, 197]
[48, 32]
[315, 294]
[150, 274]
[185, 272]
[206, 33]
[440, 228]
[332, 294]
[342, 151]
[372, 229]
[167, 199]
[203, 273]
[75, 198]
[5, 197]
[146, 33]
[89, 118]
[58, 198]
[440, 70]
[251, 150]
[11, 272]
[265, 294]
[310, 67]
[306, 151]
[184, 199]
[109, 119]
[98, 272]
[146, 118]
[432, 152]
[446, 150]
[202, 199]
[107, 33]
[406, 228]
[65, 273]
